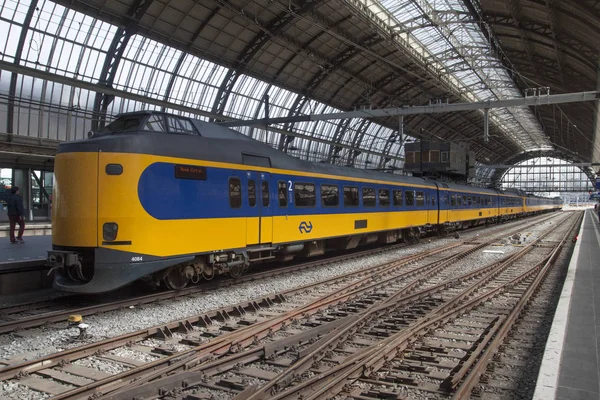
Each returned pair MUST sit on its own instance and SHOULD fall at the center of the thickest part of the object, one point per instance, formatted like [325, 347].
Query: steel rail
[242, 337]
[58, 316]
[132, 387]
[15, 370]
[477, 365]
[370, 360]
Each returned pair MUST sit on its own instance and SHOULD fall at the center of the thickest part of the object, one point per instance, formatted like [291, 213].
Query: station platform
[32, 228]
[571, 363]
[22, 266]
[33, 250]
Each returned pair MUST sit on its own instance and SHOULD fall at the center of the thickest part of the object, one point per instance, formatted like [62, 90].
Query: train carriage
[170, 200]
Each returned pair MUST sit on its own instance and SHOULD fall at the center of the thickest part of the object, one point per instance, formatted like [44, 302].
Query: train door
[259, 222]
[432, 207]
[443, 205]
[266, 207]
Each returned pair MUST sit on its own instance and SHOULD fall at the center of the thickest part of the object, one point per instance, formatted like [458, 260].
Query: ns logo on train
[305, 227]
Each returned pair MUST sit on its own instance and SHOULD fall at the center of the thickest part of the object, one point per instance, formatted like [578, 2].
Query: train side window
[369, 199]
[350, 196]
[235, 193]
[420, 199]
[304, 195]
[155, 123]
[397, 198]
[453, 200]
[251, 193]
[433, 200]
[410, 198]
[384, 197]
[265, 194]
[330, 195]
[282, 193]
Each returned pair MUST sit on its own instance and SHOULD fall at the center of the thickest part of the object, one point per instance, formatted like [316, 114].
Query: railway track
[433, 342]
[34, 314]
[269, 328]
[39, 313]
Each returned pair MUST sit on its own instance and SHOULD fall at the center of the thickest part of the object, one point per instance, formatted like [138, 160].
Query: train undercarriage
[235, 263]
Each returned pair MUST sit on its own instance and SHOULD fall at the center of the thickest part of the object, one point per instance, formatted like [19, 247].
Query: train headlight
[109, 231]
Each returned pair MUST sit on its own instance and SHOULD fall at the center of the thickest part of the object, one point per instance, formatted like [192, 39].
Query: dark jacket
[15, 205]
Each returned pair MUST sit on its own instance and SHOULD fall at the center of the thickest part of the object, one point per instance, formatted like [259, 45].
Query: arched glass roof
[69, 43]
[547, 176]
[64, 69]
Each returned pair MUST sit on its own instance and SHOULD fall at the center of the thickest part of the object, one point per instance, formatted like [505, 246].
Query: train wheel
[175, 279]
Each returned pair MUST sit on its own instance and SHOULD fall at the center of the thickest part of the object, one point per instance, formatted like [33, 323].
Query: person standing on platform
[16, 215]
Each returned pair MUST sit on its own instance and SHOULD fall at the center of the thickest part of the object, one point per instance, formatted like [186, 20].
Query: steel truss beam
[537, 165]
[12, 91]
[246, 55]
[534, 101]
[94, 87]
[113, 58]
[317, 80]
[186, 52]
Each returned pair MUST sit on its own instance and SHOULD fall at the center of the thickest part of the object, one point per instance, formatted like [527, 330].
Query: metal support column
[486, 125]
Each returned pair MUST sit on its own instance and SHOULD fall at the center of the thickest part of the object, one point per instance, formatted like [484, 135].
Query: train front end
[74, 216]
[100, 230]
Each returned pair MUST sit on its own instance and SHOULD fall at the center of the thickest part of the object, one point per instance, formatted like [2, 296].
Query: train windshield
[157, 123]
[127, 123]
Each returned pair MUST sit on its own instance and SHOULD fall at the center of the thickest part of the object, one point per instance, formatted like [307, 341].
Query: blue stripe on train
[166, 198]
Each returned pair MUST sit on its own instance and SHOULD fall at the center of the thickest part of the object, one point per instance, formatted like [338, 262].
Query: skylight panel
[456, 46]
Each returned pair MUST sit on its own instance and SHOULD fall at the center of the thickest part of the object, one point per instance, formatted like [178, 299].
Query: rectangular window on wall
[350, 196]
[444, 156]
[265, 194]
[397, 198]
[410, 198]
[235, 193]
[251, 193]
[384, 197]
[330, 196]
[282, 193]
[369, 199]
[304, 195]
[420, 199]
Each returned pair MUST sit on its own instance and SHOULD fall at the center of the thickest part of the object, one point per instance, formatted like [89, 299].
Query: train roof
[231, 146]
[221, 144]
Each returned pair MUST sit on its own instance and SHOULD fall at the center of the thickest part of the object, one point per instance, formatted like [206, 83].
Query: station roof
[220, 58]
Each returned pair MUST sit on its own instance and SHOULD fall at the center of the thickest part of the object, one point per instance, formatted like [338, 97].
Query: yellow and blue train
[169, 200]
